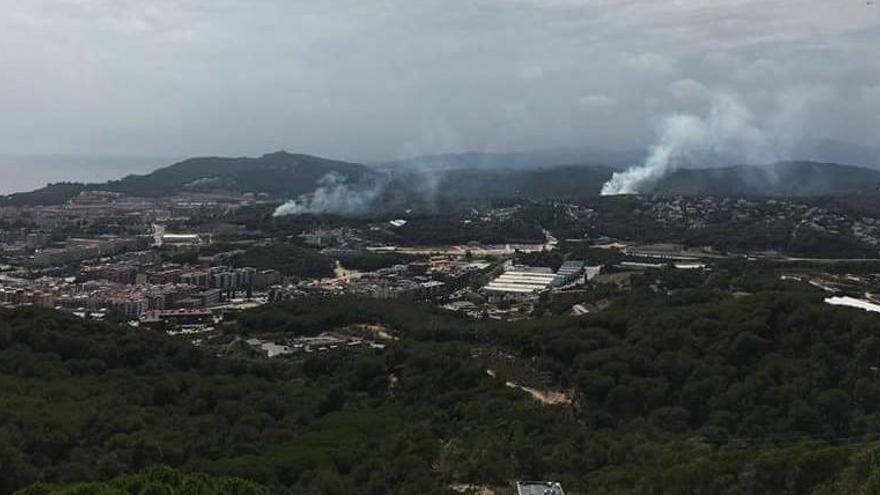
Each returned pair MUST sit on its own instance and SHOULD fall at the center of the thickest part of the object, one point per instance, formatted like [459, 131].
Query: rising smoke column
[728, 134]
[334, 195]
[418, 182]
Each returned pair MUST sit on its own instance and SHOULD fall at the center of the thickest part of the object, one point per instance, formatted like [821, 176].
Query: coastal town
[153, 263]
[178, 264]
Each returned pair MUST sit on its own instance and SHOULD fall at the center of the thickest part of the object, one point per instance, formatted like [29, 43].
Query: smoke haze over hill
[334, 195]
[729, 133]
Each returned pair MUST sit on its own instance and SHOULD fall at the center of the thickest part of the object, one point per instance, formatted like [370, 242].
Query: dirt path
[547, 397]
[380, 332]
[472, 489]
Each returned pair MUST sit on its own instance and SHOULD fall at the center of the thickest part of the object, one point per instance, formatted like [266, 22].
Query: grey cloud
[653, 63]
[689, 92]
[597, 102]
[383, 79]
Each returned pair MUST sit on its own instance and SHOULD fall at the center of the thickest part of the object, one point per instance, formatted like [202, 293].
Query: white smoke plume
[334, 195]
[729, 134]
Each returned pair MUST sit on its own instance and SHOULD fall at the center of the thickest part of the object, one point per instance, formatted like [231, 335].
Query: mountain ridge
[284, 175]
[519, 160]
[791, 178]
[279, 173]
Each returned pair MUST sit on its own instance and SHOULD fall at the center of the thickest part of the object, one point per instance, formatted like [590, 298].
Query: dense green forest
[289, 259]
[153, 480]
[452, 229]
[367, 261]
[695, 392]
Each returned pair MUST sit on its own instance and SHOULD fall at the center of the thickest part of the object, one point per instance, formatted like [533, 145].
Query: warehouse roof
[538, 488]
[520, 279]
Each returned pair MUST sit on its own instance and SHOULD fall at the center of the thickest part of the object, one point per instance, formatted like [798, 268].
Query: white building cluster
[522, 280]
[527, 280]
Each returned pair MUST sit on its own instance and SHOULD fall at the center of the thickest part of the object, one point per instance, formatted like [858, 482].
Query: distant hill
[519, 160]
[815, 150]
[781, 179]
[568, 181]
[285, 175]
[278, 174]
[25, 172]
[53, 194]
[833, 151]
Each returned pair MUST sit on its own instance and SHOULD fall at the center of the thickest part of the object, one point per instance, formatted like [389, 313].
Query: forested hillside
[699, 392]
[154, 480]
[780, 179]
[283, 175]
[278, 174]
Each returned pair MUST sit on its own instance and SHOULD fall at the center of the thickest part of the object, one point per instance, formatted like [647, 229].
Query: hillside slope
[284, 175]
[781, 179]
[279, 174]
[571, 181]
[519, 160]
[567, 181]
[750, 394]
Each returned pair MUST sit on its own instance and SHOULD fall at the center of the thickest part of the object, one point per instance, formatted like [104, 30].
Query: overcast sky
[368, 80]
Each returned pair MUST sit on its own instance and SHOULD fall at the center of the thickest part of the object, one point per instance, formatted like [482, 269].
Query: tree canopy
[694, 392]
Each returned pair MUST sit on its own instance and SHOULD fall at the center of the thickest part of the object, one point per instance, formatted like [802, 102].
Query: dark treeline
[85, 401]
[289, 259]
[453, 229]
[367, 261]
[154, 480]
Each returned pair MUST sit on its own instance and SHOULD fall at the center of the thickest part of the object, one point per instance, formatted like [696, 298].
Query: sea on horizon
[20, 173]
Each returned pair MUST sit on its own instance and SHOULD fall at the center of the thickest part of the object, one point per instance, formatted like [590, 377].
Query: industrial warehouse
[519, 280]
